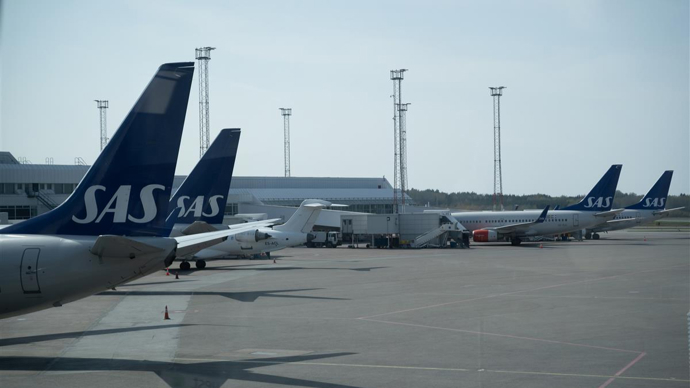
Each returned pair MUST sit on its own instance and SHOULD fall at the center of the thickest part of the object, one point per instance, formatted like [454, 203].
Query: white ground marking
[141, 311]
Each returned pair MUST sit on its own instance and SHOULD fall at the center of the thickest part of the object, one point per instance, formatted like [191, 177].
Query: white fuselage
[40, 271]
[232, 247]
[556, 222]
[629, 218]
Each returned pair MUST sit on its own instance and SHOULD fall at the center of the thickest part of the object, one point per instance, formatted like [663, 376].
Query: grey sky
[590, 83]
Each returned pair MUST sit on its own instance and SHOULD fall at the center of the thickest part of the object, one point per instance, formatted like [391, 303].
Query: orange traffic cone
[541, 246]
[177, 275]
[645, 238]
[167, 272]
[166, 317]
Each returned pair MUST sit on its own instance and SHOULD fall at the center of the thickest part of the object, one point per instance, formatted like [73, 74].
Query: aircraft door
[29, 268]
[638, 218]
[576, 220]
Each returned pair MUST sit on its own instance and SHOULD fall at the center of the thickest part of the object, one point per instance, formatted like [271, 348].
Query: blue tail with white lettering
[203, 195]
[600, 199]
[127, 190]
[656, 197]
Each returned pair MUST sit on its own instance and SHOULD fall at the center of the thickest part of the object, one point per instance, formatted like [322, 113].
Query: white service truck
[325, 239]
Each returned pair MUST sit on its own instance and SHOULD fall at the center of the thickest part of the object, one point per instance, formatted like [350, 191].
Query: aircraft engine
[483, 235]
[252, 236]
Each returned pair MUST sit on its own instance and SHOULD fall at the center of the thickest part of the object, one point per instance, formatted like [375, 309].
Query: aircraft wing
[256, 224]
[120, 246]
[666, 211]
[190, 244]
[523, 226]
[629, 220]
[187, 245]
[203, 227]
[610, 213]
[198, 227]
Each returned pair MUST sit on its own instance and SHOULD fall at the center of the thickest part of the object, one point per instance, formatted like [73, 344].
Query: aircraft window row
[514, 221]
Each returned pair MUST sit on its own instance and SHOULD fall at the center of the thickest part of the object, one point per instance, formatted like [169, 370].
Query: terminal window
[18, 212]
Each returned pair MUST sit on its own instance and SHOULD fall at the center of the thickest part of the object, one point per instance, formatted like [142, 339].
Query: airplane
[266, 239]
[202, 197]
[113, 228]
[650, 208]
[197, 206]
[514, 226]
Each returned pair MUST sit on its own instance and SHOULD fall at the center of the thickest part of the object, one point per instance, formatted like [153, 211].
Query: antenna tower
[102, 105]
[203, 55]
[286, 112]
[496, 93]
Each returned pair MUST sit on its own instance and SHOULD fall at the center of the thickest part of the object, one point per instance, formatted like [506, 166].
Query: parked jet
[266, 239]
[513, 226]
[113, 228]
[652, 207]
[203, 194]
[198, 206]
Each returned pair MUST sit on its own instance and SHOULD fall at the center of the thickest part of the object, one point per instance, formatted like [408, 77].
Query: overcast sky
[590, 84]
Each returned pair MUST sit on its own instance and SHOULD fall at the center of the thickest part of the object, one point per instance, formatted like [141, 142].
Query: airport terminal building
[27, 190]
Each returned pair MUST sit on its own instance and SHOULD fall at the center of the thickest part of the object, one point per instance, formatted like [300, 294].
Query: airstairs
[46, 200]
[449, 224]
[424, 239]
[43, 198]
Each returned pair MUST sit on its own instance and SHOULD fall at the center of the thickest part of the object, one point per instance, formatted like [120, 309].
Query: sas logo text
[654, 202]
[118, 205]
[593, 202]
[197, 206]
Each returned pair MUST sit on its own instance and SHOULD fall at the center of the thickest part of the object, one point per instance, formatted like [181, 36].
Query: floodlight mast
[398, 197]
[102, 105]
[496, 93]
[203, 55]
[286, 112]
[402, 117]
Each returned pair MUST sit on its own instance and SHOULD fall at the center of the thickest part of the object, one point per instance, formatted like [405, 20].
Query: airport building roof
[7, 158]
[41, 173]
[291, 191]
[285, 191]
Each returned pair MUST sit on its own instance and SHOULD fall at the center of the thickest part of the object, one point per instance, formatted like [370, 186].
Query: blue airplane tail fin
[655, 199]
[203, 195]
[126, 191]
[601, 197]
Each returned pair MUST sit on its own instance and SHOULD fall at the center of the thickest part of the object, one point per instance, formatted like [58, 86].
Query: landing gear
[200, 264]
[588, 235]
[515, 241]
[595, 236]
[268, 255]
[185, 266]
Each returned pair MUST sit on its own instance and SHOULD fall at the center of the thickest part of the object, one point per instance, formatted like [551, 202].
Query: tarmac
[605, 313]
